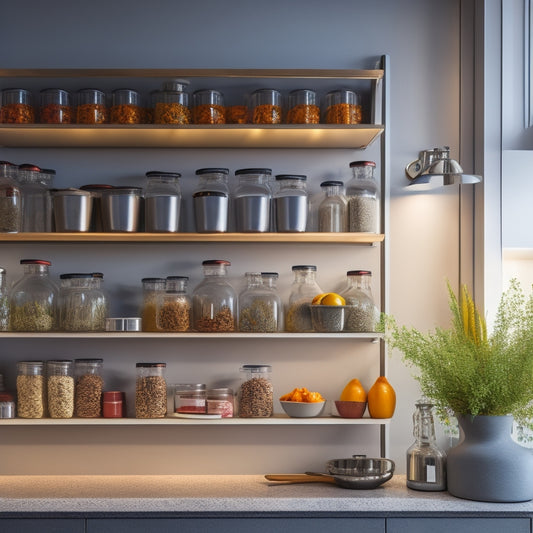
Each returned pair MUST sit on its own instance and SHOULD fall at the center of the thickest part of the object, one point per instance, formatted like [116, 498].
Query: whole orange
[353, 392]
[381, 399]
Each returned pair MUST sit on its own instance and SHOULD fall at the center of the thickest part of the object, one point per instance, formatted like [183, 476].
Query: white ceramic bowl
[303, 409]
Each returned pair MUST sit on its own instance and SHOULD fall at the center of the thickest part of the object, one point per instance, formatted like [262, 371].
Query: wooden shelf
[192, 136]
[276, 420]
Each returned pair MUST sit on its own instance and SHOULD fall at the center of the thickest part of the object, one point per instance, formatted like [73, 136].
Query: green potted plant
[486, 381]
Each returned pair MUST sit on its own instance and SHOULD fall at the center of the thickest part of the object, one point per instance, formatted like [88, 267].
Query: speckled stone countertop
[228, 494]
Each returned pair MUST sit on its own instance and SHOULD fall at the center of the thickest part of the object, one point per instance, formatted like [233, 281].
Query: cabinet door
[235, 525]
[42, 525]
[458, 525]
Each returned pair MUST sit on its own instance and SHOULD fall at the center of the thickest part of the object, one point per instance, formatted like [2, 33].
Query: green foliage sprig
[464, 370]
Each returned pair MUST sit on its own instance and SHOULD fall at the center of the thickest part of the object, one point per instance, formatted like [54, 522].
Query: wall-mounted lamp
[434, 168]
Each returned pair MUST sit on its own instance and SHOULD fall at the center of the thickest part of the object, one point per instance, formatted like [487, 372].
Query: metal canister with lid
[121, 208]
[211, 200]
[72, 210]
[150, 390]
[252, 200]
[291, 203]
[162, 202]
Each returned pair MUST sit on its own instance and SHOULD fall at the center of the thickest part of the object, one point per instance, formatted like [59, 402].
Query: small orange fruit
[381, 399]
[353, 392]
[332, 298]
[318, 298]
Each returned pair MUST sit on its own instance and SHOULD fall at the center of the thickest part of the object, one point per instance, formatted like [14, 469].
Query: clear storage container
[259, 306]
[361, 314]
[126, 107]
[211, 200]
[36, 199]
[252, 200]
[174, 307]
[266, 106]
[270, 282]
[91, 107]
[162, 202]
[343, 107]
[363, 198]
[291, 203]
[17, 107]
[88, 387]
[214, 299]
[256, 392]
[304, 288]
[56, 107]
[82, 302]
[150, 390]
[220, 402]
[33, 301]
[151, 289]
[208, 107]
[333, 210]
[171, 104]
[10, 199]
[60, 388]
[31, 389]
[303, 108]
[190, 398]
[4, 301]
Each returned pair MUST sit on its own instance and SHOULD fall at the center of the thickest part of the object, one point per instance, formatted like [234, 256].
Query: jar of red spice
[190, 398]
[113, 404]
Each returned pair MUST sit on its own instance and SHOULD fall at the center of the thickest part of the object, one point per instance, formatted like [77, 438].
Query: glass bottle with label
[363, 198]
[333, 210]
[162, 202]
[361, 314]
[214, 299]
[291, 203]
[304, 289]
[426, 462]
[252, 200]
[259, 306]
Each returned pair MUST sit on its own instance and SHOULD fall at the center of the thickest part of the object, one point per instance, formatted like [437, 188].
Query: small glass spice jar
[190, 398]
[33, 300]
[151, 288]
[171, 104]
[10, 199]
[304, 288]
[150, 390]
[291, 203]
[303, 108]
[256, 392]
[214, 299]
[266, 106]
[220, 402]
[343, 107]
[208, 107]
[89, 386]
[31, 389]
[361, 312]
[333, 210]
[174, 307]
[56, 107]
[259, 306]
[363, 198]
[91, 107]
[17, 107]
[113, 404]
[162, 202]
[126, 107]
[60, 388]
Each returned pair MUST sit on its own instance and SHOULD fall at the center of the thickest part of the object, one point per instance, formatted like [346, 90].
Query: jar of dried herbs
[214, 299]
[10, 199]
[82, 302]
[33, 298]
[174, 305]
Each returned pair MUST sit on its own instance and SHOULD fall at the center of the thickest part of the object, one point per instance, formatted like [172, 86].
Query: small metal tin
[123, 324]
[7, 409]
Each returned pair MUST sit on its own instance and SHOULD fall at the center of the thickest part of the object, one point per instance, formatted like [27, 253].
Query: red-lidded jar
[113, 404]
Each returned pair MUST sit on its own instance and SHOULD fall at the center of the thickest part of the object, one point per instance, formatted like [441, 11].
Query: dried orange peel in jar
[302, 395]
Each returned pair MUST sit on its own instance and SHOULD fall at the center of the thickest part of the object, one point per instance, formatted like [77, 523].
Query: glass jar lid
[201, 171]
[35, 262]
[362, 164]
[151, 365]
[241, 171]
[298, 177]
[310, 268]
[359, 273]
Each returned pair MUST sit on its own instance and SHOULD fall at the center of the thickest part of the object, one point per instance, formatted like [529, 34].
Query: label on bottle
[431, 473]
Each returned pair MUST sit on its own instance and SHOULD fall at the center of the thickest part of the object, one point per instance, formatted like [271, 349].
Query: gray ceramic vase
[487, 465]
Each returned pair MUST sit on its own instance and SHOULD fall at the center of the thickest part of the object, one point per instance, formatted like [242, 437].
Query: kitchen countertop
[227, 494]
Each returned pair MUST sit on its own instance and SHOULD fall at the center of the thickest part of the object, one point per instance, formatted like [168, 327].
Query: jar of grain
[214, 299]
[30, 389]
[91, 107]
[343, 107]
[220, 402]
[126, 107]
[361, 312]
[208, 107]
[60, 388]
[17, 107]
[151, 289]
[266, 106]
[171, 104]
[259, 306]
[190, 398]
[303, 108]
[10, 199]
[55, 107]
[150, 391]
[174, 307]
[256, 393]
[304, 288]
[88, 387]
[333, 210]
[33, 298]
[363, 198]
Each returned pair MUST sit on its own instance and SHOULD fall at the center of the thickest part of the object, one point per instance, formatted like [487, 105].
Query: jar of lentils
[150, 391]
[30, 389]
[256, 393]
[88, 387]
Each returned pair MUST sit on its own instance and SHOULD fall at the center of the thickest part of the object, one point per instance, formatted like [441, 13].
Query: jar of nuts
[88, 387]
[30, 389]
[150, 391]
[174, 305]
[60, 388]
[256, 393]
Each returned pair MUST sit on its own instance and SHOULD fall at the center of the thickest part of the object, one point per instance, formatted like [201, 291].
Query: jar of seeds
[304, 289]
[33, 298]
[361, 312]
[363, 198]
[152, 287]
[88, 387]
[256, 393]
[150, 391]
[30, 389]
[60, 388]
[259, 306]
[214, 299]
[174, 305]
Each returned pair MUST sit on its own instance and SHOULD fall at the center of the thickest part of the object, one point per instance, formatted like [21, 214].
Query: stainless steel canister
[72, 210]
[211, 211]
[121, 208]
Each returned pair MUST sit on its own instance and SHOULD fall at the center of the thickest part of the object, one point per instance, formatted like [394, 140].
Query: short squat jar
[343, 107]
[291, 203]
[303, 108]
[266, 106]
[56, 107]
[150, 391]
[89, 387]
[208, 107]
[190, 398]
[17, 107]
[174, 306]
[31, 389]
[91, 107]
[126, 107]
[60, 388]
[162, 202]
[220, 402]
[256, 393]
